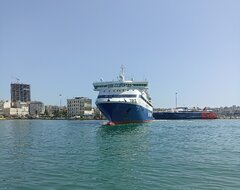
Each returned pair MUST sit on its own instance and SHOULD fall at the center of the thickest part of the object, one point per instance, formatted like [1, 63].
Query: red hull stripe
[209, 115]
[126, 122]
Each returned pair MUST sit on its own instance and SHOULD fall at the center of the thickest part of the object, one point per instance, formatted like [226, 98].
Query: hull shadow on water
[131, 128]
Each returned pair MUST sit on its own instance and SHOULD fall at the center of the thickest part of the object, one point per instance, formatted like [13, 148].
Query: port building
[21, 109]
[79, 107]
[36, 108]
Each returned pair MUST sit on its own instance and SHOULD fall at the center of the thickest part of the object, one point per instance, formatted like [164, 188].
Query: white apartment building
[79, 107]
[1, 108]
[21, 110]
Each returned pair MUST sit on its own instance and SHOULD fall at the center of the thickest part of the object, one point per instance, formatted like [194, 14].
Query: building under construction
[20, 92]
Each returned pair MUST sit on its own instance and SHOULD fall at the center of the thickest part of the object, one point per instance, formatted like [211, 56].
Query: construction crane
[17, 79]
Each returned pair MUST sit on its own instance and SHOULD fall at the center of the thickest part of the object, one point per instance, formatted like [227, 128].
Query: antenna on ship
[121, 76]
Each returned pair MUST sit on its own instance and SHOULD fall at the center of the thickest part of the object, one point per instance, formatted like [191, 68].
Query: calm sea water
[86, 155]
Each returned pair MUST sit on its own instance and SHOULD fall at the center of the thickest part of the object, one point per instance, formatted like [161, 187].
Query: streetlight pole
[60, 101]
[176, 99]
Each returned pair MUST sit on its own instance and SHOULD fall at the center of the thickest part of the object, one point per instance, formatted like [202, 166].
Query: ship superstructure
[124, 101]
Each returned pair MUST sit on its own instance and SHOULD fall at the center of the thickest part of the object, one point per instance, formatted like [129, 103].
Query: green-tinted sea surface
[199, 154]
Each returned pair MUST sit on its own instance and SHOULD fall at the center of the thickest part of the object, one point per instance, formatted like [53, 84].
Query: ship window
[118, 96]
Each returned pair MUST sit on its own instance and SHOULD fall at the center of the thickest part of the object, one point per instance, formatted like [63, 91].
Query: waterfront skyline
[61, 47]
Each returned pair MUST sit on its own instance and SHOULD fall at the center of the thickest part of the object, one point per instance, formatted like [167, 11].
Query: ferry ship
[182, 113]
[124, 101]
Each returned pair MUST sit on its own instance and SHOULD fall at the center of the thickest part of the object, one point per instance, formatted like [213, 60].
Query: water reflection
[122, 140]
[121, 129]
[20, 138]
[121, 149]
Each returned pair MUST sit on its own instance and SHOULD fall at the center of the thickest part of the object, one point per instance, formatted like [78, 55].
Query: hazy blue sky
[188, 46]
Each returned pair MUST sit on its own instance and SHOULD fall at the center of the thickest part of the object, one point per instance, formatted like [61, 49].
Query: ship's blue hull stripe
[177, 115]
[124, 112]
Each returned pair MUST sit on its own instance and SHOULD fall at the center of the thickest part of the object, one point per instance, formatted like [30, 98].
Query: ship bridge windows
[118, 96]
[140, 85]
[100, 86]
[117, 85]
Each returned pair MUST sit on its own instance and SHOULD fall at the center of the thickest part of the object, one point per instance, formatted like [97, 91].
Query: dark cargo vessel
[185, 113]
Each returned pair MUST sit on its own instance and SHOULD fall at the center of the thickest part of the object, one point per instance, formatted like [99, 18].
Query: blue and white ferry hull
[122, 113]
[124, 101]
